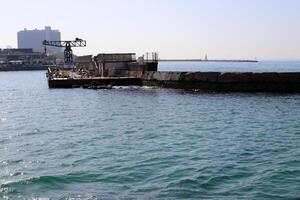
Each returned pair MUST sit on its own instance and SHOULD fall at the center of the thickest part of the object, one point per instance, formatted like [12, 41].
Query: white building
[33, 39]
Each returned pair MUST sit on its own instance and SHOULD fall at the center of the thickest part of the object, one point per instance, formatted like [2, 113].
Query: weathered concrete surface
[228, 77]
[121, 69]
[113, 65]
[161, 76]
[215, 81]
[200, 76]
[73, 83]
[85, 62]
[259, 77]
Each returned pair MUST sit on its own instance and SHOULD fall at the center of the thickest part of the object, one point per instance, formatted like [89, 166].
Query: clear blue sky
[231, 29]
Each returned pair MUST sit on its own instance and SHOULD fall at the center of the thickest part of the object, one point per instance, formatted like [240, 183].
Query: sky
[222, 29]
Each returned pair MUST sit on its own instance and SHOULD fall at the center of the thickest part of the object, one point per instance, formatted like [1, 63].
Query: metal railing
[150, 57]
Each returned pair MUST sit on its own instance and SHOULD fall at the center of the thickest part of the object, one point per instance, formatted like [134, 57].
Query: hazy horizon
[222, 29]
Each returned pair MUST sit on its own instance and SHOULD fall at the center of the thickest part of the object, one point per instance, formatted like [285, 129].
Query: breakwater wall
[217, 81]
[92, 82]
[211, 81]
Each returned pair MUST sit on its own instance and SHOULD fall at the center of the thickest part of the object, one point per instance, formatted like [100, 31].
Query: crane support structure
[68, 53]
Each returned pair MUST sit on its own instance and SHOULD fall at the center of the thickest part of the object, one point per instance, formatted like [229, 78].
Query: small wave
[126, 87]
[9, 162]
[149, 87]
[51, 181]
[3, 163]
[186, 183]
[3, 141]
[290, 163]
[6, 190]
[43, 180]
[3, 119]
[34, 132]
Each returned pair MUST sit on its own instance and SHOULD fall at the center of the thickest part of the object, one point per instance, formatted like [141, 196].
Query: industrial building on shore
[24, 59]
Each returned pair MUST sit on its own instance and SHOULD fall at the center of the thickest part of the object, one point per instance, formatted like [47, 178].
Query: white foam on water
[3, 119]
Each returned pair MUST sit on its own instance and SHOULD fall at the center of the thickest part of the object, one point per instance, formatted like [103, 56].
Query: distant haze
[222, 29]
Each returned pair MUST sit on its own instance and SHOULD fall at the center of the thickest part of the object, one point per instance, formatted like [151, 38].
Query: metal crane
[68, 53]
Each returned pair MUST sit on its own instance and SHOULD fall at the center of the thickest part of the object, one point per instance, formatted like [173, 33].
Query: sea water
[145, 143]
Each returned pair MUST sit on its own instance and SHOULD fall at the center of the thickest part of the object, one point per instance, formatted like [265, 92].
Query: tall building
[33, 39]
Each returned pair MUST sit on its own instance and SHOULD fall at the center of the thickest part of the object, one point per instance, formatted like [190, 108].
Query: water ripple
[145, 143]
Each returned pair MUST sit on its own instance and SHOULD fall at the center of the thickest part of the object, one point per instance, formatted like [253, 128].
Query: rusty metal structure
[68, 53]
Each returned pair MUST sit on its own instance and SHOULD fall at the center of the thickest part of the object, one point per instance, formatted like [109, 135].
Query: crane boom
[68, 53]
[76, 43]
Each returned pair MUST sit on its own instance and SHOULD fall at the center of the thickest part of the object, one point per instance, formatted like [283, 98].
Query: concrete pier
[86, 82]
[124, 69]
[212, 81]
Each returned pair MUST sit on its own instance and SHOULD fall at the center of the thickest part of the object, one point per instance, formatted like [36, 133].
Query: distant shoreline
[22, 68]
[200, 60]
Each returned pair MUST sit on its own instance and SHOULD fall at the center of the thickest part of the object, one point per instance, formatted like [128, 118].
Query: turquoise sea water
[145, 143]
